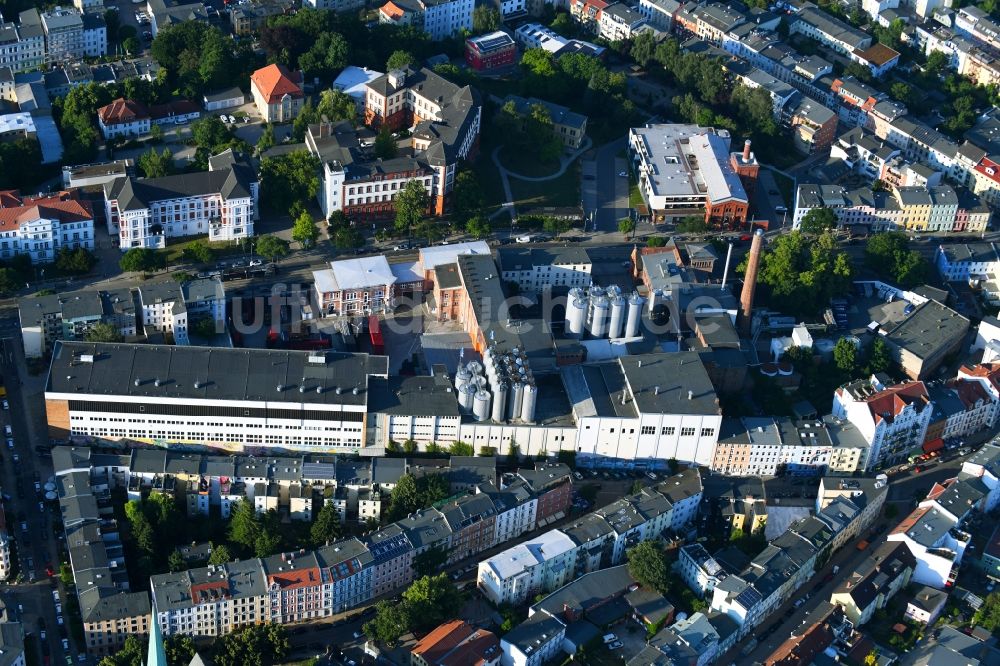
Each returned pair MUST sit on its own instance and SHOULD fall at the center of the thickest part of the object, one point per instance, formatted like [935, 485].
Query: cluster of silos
[603, 313]
[505, 392]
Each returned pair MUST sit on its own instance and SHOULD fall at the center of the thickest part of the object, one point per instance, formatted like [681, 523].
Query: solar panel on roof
[319, 471]
[493, 43]
[748, 598]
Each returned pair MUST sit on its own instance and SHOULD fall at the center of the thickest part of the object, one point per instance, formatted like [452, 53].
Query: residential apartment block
[43, 225]
[880, 577]
[893, 420]
[22, 44]
[355, 286]
[535, 270]
[440, 19]
[221, 203]
[71, 315]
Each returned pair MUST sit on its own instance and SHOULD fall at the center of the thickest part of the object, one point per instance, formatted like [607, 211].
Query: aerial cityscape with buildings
[499, 333]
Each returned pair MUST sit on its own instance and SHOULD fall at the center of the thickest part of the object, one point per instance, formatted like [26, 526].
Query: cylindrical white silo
[481, 405]
[617, 317]
[466, 396]
[500, 403]
[462, 378]
[528, 403]
[634, 315]
[576, 292]
[599, 316]
[613, 290]
[514, 401]
[576, 315]
[479, 382]
[594, 291]
[475, 367]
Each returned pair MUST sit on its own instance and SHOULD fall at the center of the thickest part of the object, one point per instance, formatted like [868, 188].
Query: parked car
[614, 645]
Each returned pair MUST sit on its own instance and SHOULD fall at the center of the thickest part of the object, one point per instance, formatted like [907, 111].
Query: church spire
[156, 656]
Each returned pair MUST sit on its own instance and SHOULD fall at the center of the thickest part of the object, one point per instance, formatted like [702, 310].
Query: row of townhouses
[55, 35]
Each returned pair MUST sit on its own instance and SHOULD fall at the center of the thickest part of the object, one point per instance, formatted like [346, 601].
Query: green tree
[430, 229]
[385, 144]
[346, 237]
[458, 448]
[132, 47]
[485, 19]
[513, 451]
[253, 645]
[643, 48]
[130, 654]
[156, 165]
[467, 198]
[305, 231]
[889, 255]
[626, 226]
[478, 227]
[656, 241]
[404, 498]
[156, 133]
[556, 225]
[647, 563]
[692, 224]
[409, 446]
[328, 55]
[988, 615]
[430, 561]
[818, 220]
[198, 252]
[390, 622]
[879, 357]
[400, 60]
[179, 649]
[410, 204]
[336, 105]
[244, 525]
[431, 600]
[272, 248]
[289, 179]
[268, 543]
[175, 561]
[266, 140]
[845, 356]
[78, 261]
[432, 489]
[204, 327]
[141, 259]
[902, 92]
[66, 575]
[326, 527]
[220, 554]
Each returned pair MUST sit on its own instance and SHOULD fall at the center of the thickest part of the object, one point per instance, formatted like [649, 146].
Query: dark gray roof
[681, 486]
[139, 193]
[220, 95]
[587, 591]
[520, 259]
[928, 329]
[203, 290]
[536, 631]
[413, 396]
[220, 374]
[670, 383]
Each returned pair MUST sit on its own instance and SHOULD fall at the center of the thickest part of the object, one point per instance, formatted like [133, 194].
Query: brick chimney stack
[750, 283]
[746, 151]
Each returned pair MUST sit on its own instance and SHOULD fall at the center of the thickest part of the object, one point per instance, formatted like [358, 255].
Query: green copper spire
[156, 656]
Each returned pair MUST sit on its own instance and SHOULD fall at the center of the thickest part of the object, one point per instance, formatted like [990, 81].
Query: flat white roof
[354, 274]
[439, 255]
[407, 272]
[525, 555]
[353, 80]
[14, 122]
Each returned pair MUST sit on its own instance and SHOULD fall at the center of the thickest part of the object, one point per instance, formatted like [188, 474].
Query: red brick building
[553, 485]
[491, 51]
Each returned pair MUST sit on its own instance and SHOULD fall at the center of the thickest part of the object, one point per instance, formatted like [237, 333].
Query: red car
[49, 571]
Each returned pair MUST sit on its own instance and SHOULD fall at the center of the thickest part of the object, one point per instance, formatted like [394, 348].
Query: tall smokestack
[746, 150]
[725, 272]
[750, 283]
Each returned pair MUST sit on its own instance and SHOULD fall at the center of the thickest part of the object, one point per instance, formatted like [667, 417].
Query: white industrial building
[229, 399]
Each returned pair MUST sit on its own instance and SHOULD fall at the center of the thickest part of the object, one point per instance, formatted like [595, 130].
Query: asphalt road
[30, 521]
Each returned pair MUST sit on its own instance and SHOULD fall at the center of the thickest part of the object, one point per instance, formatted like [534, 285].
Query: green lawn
[488, 177]
[634, 195]
[522, 162]
[561, 192]
[175, 250]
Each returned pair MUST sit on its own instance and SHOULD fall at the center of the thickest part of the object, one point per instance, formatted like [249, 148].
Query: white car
[65, 644]
[7, 431]
[59, 620]
[6, 405]
[622, 174]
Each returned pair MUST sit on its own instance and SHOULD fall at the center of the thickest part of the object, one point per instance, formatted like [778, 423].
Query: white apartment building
[619, 21]
[517, 511]
[22, 44]
[163, 309]
[355, 286]
[542, 563]
[984, 465]
[838, 35]
[40, 226]
[962, 261]
[205, 298]
[893, 420]
[71, 35]
[536, 269]
[758, 446]
[242, 398]
[698, 569]
[440, 19]
[656, 407]
[221, 203]
[936, 542]
[538, 36]
[659, 13]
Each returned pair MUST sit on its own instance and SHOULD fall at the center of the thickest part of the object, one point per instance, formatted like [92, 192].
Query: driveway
[606, 196]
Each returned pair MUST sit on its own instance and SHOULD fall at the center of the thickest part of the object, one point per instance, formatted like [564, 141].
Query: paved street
[30, 520]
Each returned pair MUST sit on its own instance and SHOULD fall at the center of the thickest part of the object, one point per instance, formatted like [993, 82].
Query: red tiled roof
[122, 111]
[801, 650]
[456, 643]
[275, 81]
[889, 403]
[907, 523]
[392, 10]
[295, 578]
[62, 206]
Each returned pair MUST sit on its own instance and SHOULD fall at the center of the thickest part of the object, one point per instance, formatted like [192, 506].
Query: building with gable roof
[221, 203]
[124, 117]
[893, 420]
[355, 286]
[277, 93]
[885, 572]
[935, 539]
[42, 225]
[457, 643]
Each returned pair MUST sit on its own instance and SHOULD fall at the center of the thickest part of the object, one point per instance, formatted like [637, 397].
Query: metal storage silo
[617, 317]
[528, 403]
[475, 367]
[655, 297]
[481, 405]
[576, 316]
[514, 401]
[599, 316]
[466, 396]
[462, 378]
[613, 290]
[500, 403]
[634, 315]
